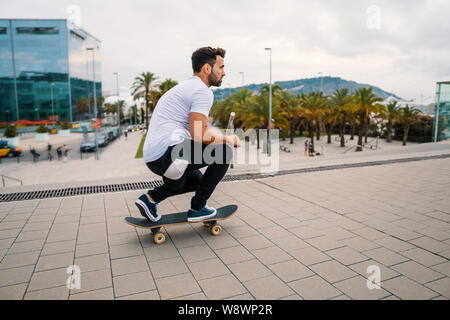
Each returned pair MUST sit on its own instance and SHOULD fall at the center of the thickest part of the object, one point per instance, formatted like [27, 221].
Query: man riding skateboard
[179, 142]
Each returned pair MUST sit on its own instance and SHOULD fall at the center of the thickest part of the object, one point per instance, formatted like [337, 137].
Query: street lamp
[53, 113]
[269, 151]
[321, 83]
[95, 100]
[118, 105]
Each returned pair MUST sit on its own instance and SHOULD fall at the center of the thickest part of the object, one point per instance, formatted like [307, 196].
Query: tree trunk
[361, 132]
[292, 131]
[311, 136]
[405, 135]
[257, 138]
[367, 130]
[330, 128]
[389, 133]
[353, 131]
[342, 132]
[318, 130]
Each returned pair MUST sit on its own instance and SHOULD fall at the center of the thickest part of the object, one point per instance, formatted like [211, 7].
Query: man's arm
[200, 132]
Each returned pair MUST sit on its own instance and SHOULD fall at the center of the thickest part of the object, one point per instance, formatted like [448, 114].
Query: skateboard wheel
[216, 230]
[159, 238]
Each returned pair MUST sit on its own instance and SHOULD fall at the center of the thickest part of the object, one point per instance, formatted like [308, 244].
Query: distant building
[442, 111]
[424, 108]
[45, 69]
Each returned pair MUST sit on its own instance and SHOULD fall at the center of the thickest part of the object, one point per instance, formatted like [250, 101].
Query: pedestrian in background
[66, 151]
[59, 152]
[306, 146]
[49, 152]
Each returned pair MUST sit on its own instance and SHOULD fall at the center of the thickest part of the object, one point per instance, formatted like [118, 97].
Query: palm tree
[407, 116]
[342, 100]
[391, 115]
[331, 115]
[366, 102]
[142, 87]
[289, 103]
[311, 109]
[166, 85]
[82, 105]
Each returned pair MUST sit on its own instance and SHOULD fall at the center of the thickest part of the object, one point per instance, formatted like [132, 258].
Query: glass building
[45, 70]
[442, 111]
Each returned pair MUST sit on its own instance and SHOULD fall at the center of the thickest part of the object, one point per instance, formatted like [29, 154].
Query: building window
[37, 30]
[2, 30]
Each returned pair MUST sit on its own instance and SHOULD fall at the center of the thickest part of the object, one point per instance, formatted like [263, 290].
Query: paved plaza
[316, 235]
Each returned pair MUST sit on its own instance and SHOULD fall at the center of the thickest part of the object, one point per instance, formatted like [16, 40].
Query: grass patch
[140, 150]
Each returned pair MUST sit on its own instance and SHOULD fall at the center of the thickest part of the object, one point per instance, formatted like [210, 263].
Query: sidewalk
[300, 236]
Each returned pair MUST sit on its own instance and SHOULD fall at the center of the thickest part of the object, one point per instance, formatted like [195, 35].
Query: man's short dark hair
[205, 55]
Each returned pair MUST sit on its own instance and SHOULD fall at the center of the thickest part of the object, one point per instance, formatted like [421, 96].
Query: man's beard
[214, 80]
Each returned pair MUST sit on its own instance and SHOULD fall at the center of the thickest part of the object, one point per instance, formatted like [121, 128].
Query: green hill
[329, 85]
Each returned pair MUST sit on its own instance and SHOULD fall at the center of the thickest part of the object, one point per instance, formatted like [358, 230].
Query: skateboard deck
[181, 218]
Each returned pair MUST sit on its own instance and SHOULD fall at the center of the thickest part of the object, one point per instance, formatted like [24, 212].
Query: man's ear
[207, 69]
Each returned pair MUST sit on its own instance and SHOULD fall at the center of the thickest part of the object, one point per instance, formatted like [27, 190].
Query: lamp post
[95, 100]
[269, 150]
[53, 113]
[118, 105]
[242, 73]
[321, 83]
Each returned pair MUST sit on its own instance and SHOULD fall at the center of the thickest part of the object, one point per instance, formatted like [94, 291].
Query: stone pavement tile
[291, 270]
[168, 267]
[37, 226]
[445, 253]
[125, 250]
[92, 219]
[19, 259]
[6, 243]
[123, 238]
[255, 242]
[92, 248]
[314, 288]
[54, 261]
[309, 256]
[28, 236]
[58, 247]
[338, 233]
[394, 244]
[402, 233]
[276, 232]
[129, 265]
[224, 241]
[332, 271]
[14, 292]
[194, 254]
[184, 236]
[268, 288]
[15, 275]
[417, 272]
[369, 233]
[439, 215]
[435, 233]
[195, 296]
[208, 269]
[443, 268]
[234, 254]
[12, 225]
[438, 224]
[100, 294]
[290, 243]
[222, 287]
[242, 231]
[49, 279]
[271, 255]
[407, 289]
[41, 218]
[133, 283]
[57, 293]
[249, 270]
[93, 263]
[346, 255]
[66, 219]
[430, 244]
[161, 252]
[95, 232]
[177, 286]
[356, 288]
[361, 268]
[94, 280]
[385, 256]
[148, 295]
[26, 246]
[306, 232]
[324, 243]
[359, 243]
[441, 286]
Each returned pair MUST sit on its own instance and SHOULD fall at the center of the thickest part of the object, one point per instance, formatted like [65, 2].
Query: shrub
[41, 129]
[10, 131]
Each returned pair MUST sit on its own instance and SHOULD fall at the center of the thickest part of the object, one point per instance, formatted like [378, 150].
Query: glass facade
[442, 112]
[45, 69]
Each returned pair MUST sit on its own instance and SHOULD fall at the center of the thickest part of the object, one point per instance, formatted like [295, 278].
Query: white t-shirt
[169, 124]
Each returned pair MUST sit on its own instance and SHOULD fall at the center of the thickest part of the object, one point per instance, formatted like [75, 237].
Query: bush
[10, 131]
[65, 126]
[41, 129]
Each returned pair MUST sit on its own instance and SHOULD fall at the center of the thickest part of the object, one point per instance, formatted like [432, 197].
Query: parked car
[9, 151]
[102, 139]
[87, 146]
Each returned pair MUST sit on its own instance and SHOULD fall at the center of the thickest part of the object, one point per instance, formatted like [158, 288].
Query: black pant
[217, 158]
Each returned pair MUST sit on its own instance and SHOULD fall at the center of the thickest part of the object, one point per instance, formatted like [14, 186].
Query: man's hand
[233, 140]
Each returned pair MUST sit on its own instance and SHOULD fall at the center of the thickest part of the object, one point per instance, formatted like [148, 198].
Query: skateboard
[181, 218]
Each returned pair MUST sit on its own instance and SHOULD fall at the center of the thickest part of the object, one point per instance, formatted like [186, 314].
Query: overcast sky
[401, 46]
